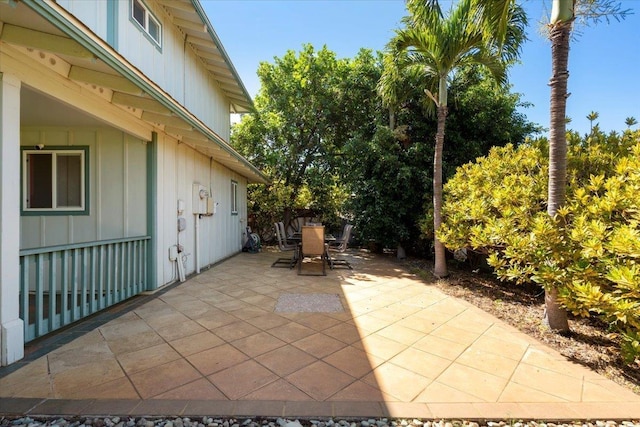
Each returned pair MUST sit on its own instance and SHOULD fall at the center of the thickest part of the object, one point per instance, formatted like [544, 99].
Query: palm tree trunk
[440, 268]
[560, 35]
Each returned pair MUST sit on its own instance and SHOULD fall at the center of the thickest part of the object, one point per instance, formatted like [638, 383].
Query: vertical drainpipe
[152, 203]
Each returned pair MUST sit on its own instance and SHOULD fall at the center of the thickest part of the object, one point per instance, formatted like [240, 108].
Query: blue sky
[604, 62]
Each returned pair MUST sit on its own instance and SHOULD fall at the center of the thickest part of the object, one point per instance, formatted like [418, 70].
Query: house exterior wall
[173, 66]
[137, 172]
[179, 167]
[117, 188]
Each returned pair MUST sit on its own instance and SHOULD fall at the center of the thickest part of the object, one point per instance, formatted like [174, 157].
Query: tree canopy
[358, 167]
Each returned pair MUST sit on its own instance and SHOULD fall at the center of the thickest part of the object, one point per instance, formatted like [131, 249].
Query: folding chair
[340, 246]
[284, 247]
[312, 246]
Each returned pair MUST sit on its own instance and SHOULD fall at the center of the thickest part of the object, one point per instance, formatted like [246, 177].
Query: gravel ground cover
[281, 422]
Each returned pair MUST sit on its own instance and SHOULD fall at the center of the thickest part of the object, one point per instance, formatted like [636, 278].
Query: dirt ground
[589, 343]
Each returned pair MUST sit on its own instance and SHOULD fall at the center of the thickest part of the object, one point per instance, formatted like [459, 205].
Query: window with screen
[54, 181]
[234, 198]
[148, 23]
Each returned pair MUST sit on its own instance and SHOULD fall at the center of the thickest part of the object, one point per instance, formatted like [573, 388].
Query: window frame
[234, 197]
[144, 27]
[83, 209]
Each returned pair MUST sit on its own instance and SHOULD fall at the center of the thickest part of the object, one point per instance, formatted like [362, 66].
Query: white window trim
[148, 15]
[55, 209]
[234, 197]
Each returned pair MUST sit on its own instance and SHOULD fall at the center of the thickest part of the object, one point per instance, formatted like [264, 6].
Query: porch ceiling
[27, 31]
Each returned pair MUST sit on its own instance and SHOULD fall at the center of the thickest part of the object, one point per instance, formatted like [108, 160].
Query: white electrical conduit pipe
[197, 255]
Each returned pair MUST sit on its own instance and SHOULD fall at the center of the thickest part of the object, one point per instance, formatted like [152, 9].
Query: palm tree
[563, 15]
[592, 116]
[630, 121]
[432, 46]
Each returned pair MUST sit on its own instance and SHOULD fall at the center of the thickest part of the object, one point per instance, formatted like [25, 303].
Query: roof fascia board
[214, 36]
[65, 22]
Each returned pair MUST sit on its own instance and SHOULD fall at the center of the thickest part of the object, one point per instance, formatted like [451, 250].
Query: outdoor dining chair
[312, 246]
[340, 246]
[284, 247]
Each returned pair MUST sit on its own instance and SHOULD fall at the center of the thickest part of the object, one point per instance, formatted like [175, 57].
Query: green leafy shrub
[590, 251]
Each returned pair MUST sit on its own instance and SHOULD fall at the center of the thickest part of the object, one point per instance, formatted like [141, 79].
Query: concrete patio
[246, 339]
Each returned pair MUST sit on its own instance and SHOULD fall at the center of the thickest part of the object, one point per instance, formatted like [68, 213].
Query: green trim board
[152, 200]
[112, 23]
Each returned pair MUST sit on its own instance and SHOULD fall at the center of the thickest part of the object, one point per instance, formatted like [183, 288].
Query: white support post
[11, 326]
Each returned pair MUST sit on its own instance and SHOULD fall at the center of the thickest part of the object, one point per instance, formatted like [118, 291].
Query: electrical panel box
[200, 199]
[173, 253]
[210, 206]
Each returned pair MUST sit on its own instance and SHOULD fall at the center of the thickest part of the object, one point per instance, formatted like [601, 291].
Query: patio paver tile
[437, 392]
[425, 364]
[360, 391]
[345, 332]
[319, 345]
[235, 331]
[282, 389]
[200, 389]
[147, 358]
[472, 381]
[160, 379]
[135, 342]
[120, 388]
[85, 376]
[440, 347]
[193, 344]
[398, 382]
[379, 346]
[242, 379]
[291, 331]
[183, 329]
[257, 344]
[515, 392]
[353, 361]
[217, 359]
[320, 380]
[488, 362]
[556, 384]
[285, 360]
